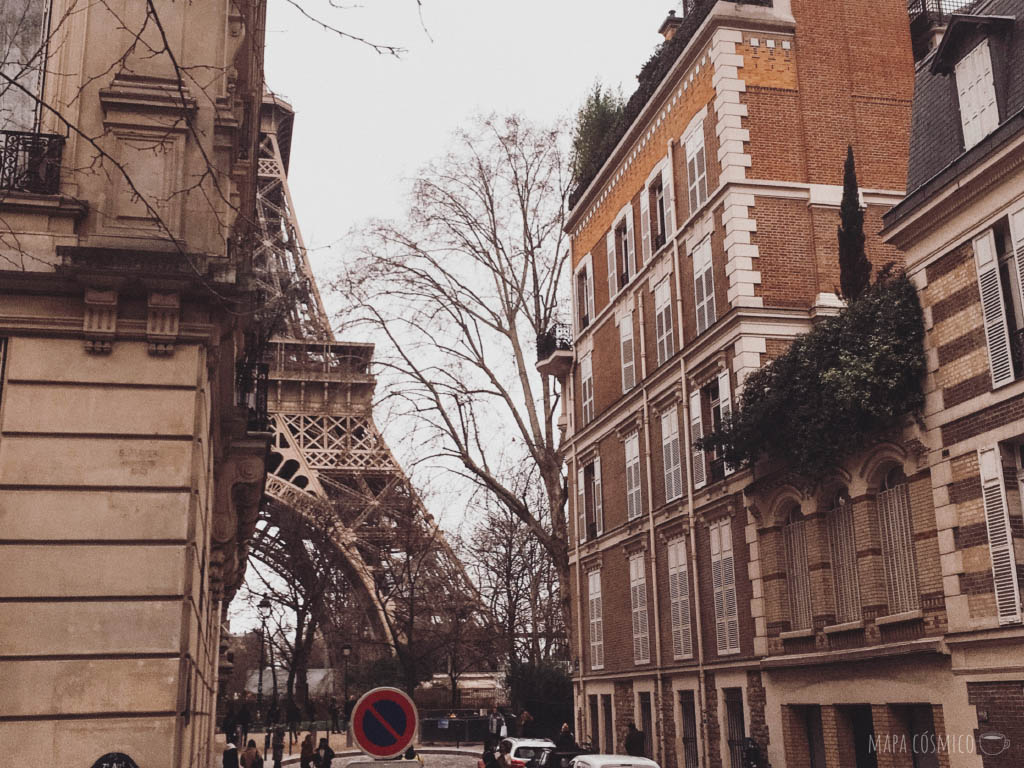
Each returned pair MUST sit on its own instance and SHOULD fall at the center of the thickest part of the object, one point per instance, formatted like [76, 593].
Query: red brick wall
[785, 243]
[1000, 707]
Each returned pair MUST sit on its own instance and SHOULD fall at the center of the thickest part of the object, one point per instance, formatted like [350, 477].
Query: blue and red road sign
[384, 723]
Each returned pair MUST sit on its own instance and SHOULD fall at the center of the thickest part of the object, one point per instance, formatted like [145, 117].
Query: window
[638, 606]
[798, 577]
[723, 581]
[700, 477]
[589, 506]
[587, 387]
[596, 621]
[999, 259]
[679, 600]
[585, 293]
[688, 717]
[843, 549]
[671, 454]
[656, 211]
[898, 543]
[979, 113]
[719, 394]
[23, 47]
[704, 286]
[665, 339]
[620, 252]
[646, 721]
[634, 505]
[626, 347]
[696, 167]
[1000, 537]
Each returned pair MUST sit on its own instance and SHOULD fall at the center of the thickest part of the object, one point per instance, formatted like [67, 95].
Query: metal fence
[30, 162]
[939, 8]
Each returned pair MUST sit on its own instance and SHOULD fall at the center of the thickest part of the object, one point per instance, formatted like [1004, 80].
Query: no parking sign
[384, 723]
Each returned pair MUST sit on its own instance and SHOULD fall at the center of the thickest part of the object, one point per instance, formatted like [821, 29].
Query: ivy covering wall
[836, 390]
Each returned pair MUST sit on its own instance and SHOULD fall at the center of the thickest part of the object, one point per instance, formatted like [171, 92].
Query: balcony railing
[557, 338]
[938, 9]
[30, 162]
[251, 391]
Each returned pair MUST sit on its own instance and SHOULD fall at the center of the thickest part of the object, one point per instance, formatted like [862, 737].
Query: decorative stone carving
[100, 320]
[239, 489]
[162, 322]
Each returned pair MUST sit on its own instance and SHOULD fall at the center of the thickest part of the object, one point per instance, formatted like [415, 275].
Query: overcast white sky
[366, 122]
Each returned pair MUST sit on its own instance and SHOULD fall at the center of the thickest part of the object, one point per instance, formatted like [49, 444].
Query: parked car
[611, 761]
[526, 753]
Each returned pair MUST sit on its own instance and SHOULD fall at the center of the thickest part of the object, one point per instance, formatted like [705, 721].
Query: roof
[935, 133]
[613, 761]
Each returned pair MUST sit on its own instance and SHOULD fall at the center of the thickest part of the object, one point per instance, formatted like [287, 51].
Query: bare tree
[459, 291]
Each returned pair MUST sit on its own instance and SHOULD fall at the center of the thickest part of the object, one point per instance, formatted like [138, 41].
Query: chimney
[669, 26]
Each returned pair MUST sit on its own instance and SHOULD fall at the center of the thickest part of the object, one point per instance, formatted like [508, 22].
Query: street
[429, 761]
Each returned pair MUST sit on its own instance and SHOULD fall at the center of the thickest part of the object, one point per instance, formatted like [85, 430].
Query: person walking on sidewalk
[277, 747]
[324, 755]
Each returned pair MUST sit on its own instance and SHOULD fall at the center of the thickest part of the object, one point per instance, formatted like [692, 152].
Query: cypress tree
[854, 267]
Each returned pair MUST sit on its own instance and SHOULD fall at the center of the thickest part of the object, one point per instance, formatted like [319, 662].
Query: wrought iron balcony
[251, 393]
[30, 162]
[938, 8]
[554, 350]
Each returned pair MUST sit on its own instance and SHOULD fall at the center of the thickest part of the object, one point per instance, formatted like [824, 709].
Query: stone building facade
[131, 466]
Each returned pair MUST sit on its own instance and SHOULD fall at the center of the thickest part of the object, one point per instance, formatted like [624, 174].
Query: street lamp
[346, 651]
[264, 609]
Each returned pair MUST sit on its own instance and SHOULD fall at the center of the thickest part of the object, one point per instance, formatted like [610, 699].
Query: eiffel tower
[332, 480]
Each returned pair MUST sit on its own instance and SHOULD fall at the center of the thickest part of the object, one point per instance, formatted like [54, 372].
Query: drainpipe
[688, 453]
[659, 683]
[576, 546]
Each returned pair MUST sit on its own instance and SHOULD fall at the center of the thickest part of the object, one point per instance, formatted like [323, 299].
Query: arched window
[897, 542]
[797, 576]
[843, 549]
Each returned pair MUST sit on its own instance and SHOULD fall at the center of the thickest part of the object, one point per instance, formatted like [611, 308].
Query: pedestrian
[293, 719]
[245, 720]
[306, 753]
[324, 755]
[251, 758]
[278, 747]
[274, 713]
[335, 713]
[495, 722]
[350, 705]
[230, 758]
[228, 724]
[634, 741]
[566, 742]
[504, 758]
[526, 724]
[487, 759]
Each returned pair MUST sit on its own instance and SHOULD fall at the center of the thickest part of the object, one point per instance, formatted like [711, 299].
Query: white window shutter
[598, 498]
[718, 587]
[638, 606]
[626, 350]
[645, 224]
[996, 333]
[670, 200]
[630, 254]
[613, 279]
[1000, 536]
[679, 599]
[725, 398]
[634, 505]
[732, 614]
[581, 506]
[1017, 235]
[591, 306]
[596, 621]
[696, 432]
[670, 454]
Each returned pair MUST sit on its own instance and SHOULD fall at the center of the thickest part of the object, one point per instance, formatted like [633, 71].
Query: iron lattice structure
[333, 482]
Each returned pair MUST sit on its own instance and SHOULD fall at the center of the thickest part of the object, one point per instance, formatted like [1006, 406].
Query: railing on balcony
[251, 392]
[938, 9]
[557, 338]
[30, 162]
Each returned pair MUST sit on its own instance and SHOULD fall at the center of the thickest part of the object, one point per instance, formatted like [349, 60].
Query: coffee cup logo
[993, 743]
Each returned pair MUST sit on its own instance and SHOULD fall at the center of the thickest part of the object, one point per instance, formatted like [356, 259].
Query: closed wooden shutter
[898, 549]
[670, 200]
[596, 621]
[581, 505]
[725, 406]
[626, 348]
[798, 577]
[633, 499]
[638, 604]
[663, 321]
[679, 600]
[700, 477]
[670, 454]
[629, 252]
[591, 306]
[723, 580]
[645, 224]
[613, 271]
[704, 285]
[1017, 235]
[598, 498]
[996, 333]
[1000, 536]
[843, 549]
[979, 112]
[587, 385]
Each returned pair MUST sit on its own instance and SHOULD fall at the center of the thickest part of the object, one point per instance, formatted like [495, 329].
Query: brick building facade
[839, 623]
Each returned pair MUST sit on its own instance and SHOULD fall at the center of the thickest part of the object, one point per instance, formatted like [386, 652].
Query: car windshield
[527, 753]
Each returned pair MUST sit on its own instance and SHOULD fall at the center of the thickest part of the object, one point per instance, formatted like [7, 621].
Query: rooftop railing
[30, 162]
[939, 8]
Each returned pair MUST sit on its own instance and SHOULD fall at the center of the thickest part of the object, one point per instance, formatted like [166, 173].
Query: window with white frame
[719, 395]
[1000, 535]
[584, 293]
[656, 207]
[999, 260]
[704, 285]
[898, 543]
[596, 620]
[798, 576]
[634, 505]
[23, 47]
[621, 252]
[696, 167]
[663, 331]
[679, 600]
[638, 606]
[723, 581]
[975, 86]
[628, 357]
[843, 550]
[700, 476]
[671, 454]
[589, 506]
[587, 388]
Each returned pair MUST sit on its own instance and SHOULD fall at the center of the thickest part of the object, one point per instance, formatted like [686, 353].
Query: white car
[611, 761]
[521, 751]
